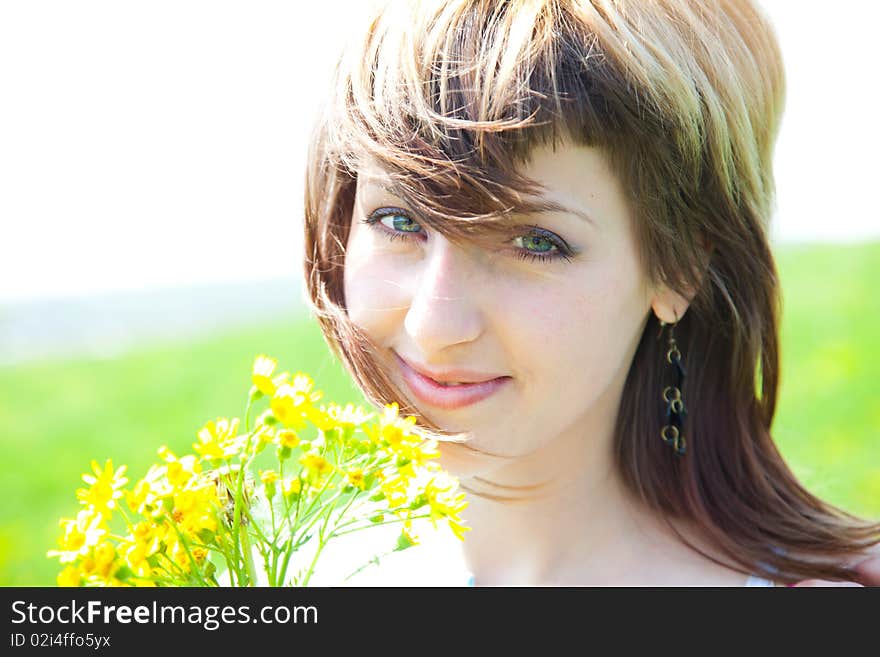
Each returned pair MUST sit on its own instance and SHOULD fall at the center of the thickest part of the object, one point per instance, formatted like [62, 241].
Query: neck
[561, 515]
[576, 524]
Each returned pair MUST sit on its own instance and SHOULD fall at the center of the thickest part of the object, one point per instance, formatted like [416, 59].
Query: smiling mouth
[448, 395]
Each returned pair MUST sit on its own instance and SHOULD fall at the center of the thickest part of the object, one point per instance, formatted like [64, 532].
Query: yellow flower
[149, 535]
[292, 403]
[144, 541]
[303, 383]
[356, 478]
[319, 417]
[457, 528]
[105, 556]
[400, 436]
[291, 486]
[135, 557]
[446, 502]
[287, 438]
[289, 408]
[262, 372]
[349, 417]
[179, 471]
[407, 472]
[420, 452]
[269, 477]
[135, 554]
[87, 565]
[396, 490]
[217, 439]
[180, 500]
[194, 509]
[70, 576]
[175, 550]
[315, 463]
[147, 494]
[392, 428]
[104, 485]
[80, 535]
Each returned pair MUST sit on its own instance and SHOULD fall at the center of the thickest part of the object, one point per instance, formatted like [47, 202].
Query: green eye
[541, 246]
[538, 245]
[400, 222]
[535, 243]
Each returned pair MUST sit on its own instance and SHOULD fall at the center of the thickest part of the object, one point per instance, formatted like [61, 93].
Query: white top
[754, 580]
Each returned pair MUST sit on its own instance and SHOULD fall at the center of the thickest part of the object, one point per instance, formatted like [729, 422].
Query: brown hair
[684, 99]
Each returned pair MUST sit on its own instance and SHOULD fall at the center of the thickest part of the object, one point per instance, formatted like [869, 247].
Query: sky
[148, 145]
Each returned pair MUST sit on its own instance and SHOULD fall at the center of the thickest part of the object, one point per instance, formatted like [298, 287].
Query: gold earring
[672, 432]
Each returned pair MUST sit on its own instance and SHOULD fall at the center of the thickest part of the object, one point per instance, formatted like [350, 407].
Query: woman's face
[563, 331]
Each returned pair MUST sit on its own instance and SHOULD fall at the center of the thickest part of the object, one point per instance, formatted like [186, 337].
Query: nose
[444, 310]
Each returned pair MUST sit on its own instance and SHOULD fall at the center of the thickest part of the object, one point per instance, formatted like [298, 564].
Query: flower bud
[291, 487]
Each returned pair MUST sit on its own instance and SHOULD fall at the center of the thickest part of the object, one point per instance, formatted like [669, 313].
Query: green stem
[247, 414]
[274, 567]
[193, 563]
[379, 524]
[238, 499]
[317, 516]
[374, 560]
[274, 528]
[249, 560]
[321, 543]
[223, 546]
[304, 531]
[288, 551]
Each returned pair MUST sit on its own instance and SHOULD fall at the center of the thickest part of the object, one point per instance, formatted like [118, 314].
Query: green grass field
[57, 416]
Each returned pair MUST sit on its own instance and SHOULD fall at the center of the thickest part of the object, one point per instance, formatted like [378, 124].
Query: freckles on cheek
[549, 310]
[374, 297]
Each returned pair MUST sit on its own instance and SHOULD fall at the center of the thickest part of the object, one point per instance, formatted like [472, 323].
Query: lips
[450, 397]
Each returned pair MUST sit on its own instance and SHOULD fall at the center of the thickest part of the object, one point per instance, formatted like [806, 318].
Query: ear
[669, 306]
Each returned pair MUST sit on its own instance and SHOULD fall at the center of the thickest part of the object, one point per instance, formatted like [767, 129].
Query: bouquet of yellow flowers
[200, 519]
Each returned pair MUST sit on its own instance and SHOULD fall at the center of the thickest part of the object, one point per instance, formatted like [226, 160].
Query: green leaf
[123, 572]
[205, 535]
[403, 542]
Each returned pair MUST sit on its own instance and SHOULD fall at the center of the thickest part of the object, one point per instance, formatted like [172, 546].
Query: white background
[161, 143]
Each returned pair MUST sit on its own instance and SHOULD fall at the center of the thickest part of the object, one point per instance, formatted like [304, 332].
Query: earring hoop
[672, 432]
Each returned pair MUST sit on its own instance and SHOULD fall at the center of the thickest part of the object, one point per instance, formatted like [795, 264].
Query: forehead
[577, 177]
[370, 172]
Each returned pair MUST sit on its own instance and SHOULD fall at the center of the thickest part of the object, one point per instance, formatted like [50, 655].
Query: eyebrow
[555, 206]
[544, 205]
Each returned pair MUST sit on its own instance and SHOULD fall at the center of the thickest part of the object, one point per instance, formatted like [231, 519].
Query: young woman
[541, 227]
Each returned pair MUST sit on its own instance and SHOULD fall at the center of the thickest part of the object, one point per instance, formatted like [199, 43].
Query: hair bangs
[450, 99]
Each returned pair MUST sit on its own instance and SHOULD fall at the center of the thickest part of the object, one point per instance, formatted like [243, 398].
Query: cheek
[578, 330]
[374, 296]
